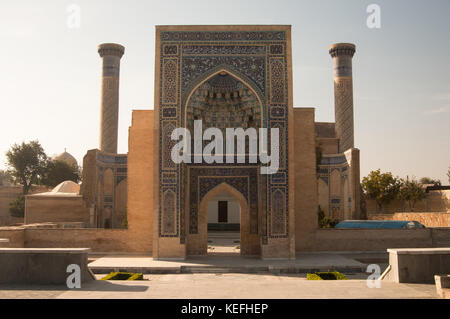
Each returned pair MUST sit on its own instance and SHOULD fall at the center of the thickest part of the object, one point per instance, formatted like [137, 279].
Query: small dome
[67, 187]
[67, 158]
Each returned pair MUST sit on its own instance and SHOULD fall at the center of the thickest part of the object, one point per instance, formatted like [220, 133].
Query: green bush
[313, 277]
[17, 207]
[326, 275]
[136, 277]
[325, 222]
[123, 276]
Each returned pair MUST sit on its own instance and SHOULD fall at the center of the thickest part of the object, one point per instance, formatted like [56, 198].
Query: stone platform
[305, 262]
[46, 266]
[4, 242]
[417, 265]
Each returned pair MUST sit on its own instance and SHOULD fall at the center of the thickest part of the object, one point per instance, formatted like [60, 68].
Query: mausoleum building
[225, 77]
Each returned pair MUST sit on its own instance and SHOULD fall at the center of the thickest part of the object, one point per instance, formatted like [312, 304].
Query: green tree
[57, 172]
[381, 187]
[27, 163]
[5, 177]
[428, 180]
[411, 192]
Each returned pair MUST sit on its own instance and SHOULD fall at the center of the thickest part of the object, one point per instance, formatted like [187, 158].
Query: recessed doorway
[223, 225]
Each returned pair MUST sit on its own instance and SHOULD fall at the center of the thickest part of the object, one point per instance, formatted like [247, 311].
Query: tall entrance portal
[225, 77]
[223, 101]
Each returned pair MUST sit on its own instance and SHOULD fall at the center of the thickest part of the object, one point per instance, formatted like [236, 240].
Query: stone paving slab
[229, 286]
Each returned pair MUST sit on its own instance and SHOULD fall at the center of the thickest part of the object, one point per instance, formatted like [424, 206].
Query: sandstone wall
[378, 239]
[141, 184]
[429, 219]
[306, 201]
[16, 236]
[329, 145]
[100, 240]
[41, 209]
[120, 240]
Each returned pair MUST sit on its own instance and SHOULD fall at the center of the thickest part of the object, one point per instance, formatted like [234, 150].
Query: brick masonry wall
[39, 209]
[374, 239]
[100, 240]
[118, 240]
[306, 200]
[429, 219]
[141, 183]
[16, 236]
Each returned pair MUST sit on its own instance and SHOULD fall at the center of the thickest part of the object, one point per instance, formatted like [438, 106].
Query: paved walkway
[230, 286]
[223, 243]
[305, 262]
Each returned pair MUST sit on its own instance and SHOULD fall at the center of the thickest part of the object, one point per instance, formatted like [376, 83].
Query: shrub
[123, 276]
[325, 222]
[17, 207]
[326, 275]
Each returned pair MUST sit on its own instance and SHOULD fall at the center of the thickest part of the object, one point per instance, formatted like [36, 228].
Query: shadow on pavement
[97, 285]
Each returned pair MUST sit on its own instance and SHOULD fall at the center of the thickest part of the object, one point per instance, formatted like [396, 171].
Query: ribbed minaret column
[342, 54]
[111, 54]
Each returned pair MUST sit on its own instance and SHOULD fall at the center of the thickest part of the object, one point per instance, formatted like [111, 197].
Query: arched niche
[198, 243]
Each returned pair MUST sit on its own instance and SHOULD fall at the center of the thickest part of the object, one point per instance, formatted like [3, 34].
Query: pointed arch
[235, 74]
[224, 188]
[199, 241]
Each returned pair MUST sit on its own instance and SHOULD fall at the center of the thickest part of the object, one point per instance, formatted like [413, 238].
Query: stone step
[224, 234]
[220, 270]
[224, 237]
[223, 269]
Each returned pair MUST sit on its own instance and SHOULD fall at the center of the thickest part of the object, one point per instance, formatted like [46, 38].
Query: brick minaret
[111, 54]
[342, 54]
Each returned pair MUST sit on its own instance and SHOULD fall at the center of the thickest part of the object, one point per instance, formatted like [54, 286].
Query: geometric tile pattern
[202, 179]
[188, 59]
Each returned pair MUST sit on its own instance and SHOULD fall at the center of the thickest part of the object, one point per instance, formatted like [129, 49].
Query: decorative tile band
[223, 36]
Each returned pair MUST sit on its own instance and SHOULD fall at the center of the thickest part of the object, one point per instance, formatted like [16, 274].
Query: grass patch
[123, 276]
[326, 275]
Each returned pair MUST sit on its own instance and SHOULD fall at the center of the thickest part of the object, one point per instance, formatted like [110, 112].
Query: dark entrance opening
[223, 211]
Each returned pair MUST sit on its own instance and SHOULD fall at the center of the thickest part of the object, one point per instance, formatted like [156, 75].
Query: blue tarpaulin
[381, 224]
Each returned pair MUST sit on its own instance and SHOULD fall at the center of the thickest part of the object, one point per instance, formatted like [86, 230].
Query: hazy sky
[50, 73]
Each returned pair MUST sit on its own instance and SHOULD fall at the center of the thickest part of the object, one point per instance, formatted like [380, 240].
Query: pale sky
[50, 73]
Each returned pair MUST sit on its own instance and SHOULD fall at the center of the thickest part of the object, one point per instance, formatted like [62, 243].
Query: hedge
[123, 276]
